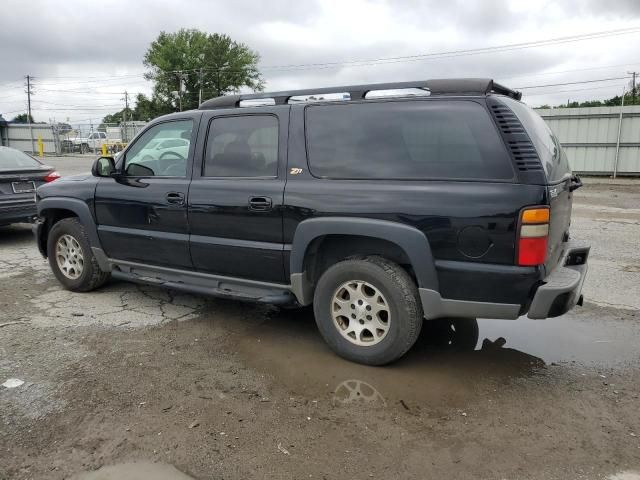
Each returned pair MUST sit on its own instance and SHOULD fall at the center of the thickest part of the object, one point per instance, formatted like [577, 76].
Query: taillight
[533, 236]
[51, 177]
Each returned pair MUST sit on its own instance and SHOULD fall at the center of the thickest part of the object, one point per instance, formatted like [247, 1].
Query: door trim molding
[139, 232]
[233, 242]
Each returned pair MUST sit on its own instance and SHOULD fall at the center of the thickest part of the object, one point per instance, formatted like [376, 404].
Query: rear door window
[242, 146]
[405, 140]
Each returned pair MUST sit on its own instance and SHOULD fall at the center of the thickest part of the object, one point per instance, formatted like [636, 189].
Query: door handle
[260, 204]
[175, 198]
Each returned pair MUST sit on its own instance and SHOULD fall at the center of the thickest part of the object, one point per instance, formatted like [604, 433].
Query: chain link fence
[92, 138]
[63, 138]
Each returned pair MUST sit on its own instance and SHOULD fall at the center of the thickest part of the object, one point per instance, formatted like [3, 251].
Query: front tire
[368, 310]
[71, 258]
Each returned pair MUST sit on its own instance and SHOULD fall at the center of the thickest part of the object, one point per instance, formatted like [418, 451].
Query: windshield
[11, 158]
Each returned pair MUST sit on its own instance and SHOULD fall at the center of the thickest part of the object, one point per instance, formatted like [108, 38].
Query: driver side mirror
[103, 167]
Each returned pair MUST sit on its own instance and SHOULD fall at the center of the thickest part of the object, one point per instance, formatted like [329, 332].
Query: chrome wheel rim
[69, 257]
[360, 313]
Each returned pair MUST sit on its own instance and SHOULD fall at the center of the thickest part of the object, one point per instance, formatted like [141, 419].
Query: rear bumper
[17, 211]
[562, 288]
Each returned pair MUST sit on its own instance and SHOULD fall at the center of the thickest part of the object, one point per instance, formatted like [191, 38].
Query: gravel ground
[220, 389]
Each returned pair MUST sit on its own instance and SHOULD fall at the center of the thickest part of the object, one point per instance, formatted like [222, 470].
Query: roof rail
[439, 86]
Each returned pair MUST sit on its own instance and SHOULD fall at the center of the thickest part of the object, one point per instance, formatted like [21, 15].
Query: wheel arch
[401, 243]
[54, 209]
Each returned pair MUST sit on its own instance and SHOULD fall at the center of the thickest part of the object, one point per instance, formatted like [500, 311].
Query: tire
[81, 273]
[380, 284]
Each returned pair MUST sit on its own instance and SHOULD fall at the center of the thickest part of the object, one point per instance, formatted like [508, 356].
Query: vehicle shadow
[15, 233]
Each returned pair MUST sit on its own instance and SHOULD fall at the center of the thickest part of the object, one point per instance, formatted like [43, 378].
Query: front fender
[81, 210]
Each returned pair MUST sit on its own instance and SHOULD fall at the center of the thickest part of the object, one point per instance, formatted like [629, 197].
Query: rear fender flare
[411, 240]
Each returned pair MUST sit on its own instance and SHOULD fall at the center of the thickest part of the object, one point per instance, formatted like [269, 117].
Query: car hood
[81, 187]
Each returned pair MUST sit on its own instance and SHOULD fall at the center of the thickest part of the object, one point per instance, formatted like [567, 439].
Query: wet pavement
[222, 389]
[452, 361]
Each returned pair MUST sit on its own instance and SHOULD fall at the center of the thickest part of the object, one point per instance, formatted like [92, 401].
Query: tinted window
[243, 146]
[553, 158]
[145, 158]
[405, 140]
[11, 158]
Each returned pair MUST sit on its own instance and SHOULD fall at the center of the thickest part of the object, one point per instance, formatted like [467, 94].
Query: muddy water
[452, 362]
[134, 471]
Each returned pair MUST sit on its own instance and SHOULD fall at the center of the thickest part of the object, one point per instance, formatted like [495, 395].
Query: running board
[203, 284]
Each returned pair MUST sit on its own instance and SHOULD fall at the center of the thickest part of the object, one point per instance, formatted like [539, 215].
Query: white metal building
[598, 140]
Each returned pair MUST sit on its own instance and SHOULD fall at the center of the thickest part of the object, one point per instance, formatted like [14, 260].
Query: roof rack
[440, 86]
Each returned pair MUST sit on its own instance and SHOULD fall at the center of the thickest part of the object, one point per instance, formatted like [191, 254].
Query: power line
[558, 72]
[571, 90]
[571, 83]
[475, 51]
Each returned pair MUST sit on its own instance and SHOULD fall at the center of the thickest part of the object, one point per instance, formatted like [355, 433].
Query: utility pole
[29, 98]
[29, 117]
[633, 86]
[200, 81]
[124, 115]
[181, 77]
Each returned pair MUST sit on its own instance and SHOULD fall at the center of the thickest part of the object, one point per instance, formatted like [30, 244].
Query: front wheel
[71, 258]
[368, 310]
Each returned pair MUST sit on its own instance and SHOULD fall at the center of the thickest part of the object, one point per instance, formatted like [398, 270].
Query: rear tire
[368, 310]
[71, 258]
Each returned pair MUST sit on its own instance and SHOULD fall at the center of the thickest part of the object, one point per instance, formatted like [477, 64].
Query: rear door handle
[260, 204]
[175, 198]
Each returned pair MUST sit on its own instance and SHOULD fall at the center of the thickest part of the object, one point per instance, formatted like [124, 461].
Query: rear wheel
[71, 258]
[368, 310]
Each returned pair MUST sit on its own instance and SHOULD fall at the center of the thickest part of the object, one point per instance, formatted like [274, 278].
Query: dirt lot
[230, 390]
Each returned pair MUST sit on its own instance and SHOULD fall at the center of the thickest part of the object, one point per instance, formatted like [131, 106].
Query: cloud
[94, 50]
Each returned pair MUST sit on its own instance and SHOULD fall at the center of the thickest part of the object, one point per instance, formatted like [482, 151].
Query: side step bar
[203, 284]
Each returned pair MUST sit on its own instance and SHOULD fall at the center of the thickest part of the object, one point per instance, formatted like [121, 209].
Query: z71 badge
[295, 171]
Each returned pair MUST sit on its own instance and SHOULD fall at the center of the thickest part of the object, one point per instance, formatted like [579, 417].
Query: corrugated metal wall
[19, 136]
[589, 137]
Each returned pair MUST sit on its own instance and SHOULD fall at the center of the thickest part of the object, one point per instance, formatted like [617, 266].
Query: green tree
[149, 108]
[192, 59]
[23, 118]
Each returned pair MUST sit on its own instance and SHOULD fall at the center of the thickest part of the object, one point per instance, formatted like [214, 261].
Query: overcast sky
[84, 54]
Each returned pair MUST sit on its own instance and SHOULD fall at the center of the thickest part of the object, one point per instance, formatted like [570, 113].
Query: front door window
[161, 151]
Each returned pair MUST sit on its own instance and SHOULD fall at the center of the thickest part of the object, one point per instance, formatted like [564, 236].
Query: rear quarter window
[405, 140]
[553, 158]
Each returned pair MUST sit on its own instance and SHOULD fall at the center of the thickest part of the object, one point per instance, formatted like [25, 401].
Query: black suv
[381, 205]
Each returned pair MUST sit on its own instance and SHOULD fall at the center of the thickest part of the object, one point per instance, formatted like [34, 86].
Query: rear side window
[554, 160]
[405, 140]
[242, 146]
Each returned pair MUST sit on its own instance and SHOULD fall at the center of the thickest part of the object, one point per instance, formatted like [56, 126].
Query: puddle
[625, 476]
[452, 361]
[134, 471]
